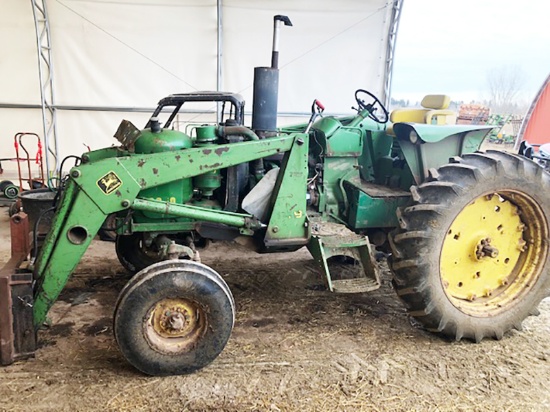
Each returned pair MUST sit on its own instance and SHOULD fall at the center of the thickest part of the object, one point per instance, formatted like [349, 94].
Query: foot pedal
[345, 258]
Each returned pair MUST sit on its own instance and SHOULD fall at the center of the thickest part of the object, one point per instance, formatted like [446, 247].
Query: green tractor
[467, 231]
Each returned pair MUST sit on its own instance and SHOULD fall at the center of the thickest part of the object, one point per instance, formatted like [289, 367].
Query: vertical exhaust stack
[266, 86]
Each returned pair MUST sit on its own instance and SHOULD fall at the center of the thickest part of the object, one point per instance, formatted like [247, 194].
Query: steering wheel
[371, 108]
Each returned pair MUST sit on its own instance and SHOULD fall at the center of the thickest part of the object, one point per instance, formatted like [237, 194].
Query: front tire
[174, 318]
[470, 258]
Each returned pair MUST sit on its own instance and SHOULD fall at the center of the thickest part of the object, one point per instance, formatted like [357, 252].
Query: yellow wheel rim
[493, 252]
[175, 325]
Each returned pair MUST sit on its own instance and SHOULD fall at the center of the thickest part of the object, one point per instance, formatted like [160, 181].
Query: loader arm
[98, 188]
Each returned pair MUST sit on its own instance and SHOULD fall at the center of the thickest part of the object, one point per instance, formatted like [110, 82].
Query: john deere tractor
[467, 231]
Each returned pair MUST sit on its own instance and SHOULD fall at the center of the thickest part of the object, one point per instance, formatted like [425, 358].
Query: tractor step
[357, 285]
[344, 257]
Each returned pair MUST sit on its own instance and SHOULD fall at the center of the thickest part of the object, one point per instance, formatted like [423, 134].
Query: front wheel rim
[175, 326]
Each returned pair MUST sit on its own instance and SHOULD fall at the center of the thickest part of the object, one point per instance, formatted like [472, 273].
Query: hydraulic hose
[224, 131]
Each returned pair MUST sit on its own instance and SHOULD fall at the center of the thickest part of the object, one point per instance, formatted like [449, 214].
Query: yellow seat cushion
[433, 111]
[436, 101]
[408, 115]
[440, 117]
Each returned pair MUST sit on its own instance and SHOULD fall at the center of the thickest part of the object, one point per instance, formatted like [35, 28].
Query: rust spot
[293, 206]
[213, 166]
[141, 162]
[221, 150]
[118, 193]
[190, 160]
[207, 151]
[155, 171]
[178, 157]
[142, 182]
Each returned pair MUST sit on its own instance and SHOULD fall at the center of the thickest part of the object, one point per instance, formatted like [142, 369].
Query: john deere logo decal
[109, 183]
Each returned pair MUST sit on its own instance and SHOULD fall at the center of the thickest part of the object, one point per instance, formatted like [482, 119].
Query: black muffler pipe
[266, 93]
[278, 21]
[266, 86]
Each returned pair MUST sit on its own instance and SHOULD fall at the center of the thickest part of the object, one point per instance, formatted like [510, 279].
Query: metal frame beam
[219, 57]
[46, 75]
[390, 52]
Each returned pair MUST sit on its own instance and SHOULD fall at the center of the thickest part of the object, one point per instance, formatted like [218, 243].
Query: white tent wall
[333, 48]
[130, 53]
[19, 82]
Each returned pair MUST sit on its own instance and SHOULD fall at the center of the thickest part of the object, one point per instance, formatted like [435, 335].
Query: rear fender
[429, 146]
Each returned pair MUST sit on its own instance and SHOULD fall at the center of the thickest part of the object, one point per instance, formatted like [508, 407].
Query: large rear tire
[174, 318]
[470, 258]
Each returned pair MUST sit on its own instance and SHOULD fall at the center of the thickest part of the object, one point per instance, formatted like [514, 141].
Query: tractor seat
[433, 111]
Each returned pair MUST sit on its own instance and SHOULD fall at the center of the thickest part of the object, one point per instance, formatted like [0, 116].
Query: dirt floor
[295, 347]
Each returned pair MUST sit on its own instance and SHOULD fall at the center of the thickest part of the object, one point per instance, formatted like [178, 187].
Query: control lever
[317, 110]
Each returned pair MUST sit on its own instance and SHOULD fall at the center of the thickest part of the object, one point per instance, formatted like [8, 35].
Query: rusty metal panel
[6, 320]
[19, 227]
[24, 336]
[17, 334]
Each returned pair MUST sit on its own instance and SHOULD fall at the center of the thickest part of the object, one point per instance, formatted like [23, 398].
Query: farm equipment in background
[502, 122]
[473, 113]
[8, 190]
[533, 139]
[505, 127]
[544, 156]
[539, 152]
[29, 177]
[34, 180]
[467, 231]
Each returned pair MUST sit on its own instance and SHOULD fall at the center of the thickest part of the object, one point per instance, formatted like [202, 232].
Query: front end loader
[467, 232]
